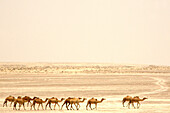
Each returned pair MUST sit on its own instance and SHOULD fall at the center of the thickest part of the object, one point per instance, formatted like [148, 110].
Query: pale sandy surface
[111, 87]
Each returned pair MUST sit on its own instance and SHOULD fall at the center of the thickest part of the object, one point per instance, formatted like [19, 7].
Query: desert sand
[112, 82]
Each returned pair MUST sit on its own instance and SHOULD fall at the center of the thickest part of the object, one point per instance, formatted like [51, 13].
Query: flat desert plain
[111, 86]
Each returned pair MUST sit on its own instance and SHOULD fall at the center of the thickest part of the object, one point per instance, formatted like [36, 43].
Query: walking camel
[28, 99]
[128, 98]
[135, 100]
[76, 102]
[20, 101]
[39, 102]
[67, 101]
[53, 100]
[10, 99]
[93, 101]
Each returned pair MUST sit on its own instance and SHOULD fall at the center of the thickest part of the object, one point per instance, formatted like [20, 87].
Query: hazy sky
[114, 31]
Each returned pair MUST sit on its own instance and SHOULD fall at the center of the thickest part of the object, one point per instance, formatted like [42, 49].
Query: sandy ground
[112, 87]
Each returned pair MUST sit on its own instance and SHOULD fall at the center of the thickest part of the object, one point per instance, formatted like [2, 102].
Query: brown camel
[67, 101]
[10, 99]
[135, 100]
[28, 99]
[53, 100]
[76, 101]
[127, 98]
[20, 101]
[93, 101]
[39, 102]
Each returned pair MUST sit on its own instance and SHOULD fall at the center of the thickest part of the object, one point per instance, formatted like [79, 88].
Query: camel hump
[136, 96]
[19, 96]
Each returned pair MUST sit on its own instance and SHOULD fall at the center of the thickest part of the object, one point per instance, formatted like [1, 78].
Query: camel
[135, 100]
[67, 101]
[53, 100]
[76, 101]
[127, 98]
[93, 101]
[28, 99]
[39, 102]
[10, 99]
[19, 100]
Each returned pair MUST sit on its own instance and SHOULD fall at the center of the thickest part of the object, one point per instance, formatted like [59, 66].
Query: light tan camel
[93, 101]
[39, 102]
[127, 98]
[135, 100]
[53, 100]
[20, 101]
[67, 102]
[76, 102]
[10, 99]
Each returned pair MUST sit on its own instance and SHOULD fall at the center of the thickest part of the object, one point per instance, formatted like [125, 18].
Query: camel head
[46, 99]
[103, 99]
[79, 98]
[62, 99]
[145, 98]
[35, 97]
[84, 98]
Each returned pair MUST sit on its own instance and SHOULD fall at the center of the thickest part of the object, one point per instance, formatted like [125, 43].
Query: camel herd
[70, 101]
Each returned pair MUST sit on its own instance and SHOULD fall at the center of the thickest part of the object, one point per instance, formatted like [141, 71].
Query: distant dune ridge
[80, 68]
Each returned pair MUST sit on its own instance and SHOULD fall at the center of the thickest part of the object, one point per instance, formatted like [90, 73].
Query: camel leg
[50, 106]
[129, 105]
[5, 102]
[14, 107]
[19, 106]
[87, 106]
[90, 106]
[46, 106]
[62, 106]
[123, 102]
[38, 106]
[42, 106]
[31, 107]
[58, 105]
[28, 104]
[23, 106]
[96, 106]
[133, 105]
[138, 104]
[10, 104]
[54, 106]
[67, 106]
[71, 108]
[78, 106]
[34, 106]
